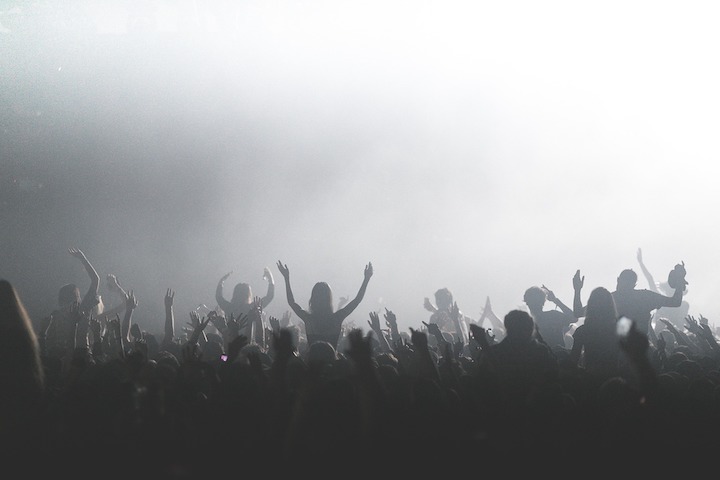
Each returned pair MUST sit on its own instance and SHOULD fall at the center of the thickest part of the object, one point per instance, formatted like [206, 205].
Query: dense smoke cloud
[483, 148]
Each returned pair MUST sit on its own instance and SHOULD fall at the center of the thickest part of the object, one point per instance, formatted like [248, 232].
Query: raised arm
[255, 318]
[92, 292]
[428, 305]
[114, 287]
[219, 299]
[564, 308]
[578, 282]
[391, 322]
[425, 363]
[285, 271]
[130, 304]
[169, 317]
[456, 317]
[270, 294]
[197, 328]
[352, 304]
[374, 323]
[646, 272]
[496, 322]
[676, 280]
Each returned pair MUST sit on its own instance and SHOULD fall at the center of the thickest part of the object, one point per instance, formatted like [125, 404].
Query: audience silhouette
[638, 304]
[196, 406]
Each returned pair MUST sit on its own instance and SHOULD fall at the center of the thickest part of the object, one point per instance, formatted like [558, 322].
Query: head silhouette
[443, 299]
[534, 298]
[321, 353]
[68, 294]
[627, 279]
[321, 298]
[600, 307]
[242, 294]
[519, 325]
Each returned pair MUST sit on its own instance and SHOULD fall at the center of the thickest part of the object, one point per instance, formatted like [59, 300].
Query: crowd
[610, 383]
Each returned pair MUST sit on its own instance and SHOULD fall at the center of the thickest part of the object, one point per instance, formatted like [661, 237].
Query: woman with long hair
[322, 321]
[596, 346]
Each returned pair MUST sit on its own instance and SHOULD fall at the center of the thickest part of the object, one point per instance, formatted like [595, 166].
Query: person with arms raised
[322, 321]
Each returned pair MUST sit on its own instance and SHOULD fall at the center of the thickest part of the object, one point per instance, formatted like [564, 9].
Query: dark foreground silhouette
[105, 399]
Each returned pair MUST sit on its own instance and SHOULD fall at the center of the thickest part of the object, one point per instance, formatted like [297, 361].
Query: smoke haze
[480, 146]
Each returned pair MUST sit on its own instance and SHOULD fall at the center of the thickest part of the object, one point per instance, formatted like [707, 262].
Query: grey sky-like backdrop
[480, 146]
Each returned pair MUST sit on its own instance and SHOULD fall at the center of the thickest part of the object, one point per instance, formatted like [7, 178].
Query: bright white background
[480, 146]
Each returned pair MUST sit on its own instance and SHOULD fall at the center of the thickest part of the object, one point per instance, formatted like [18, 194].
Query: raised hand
[360, 348]
[199, 326]
[131, 302]
[419, 339]
[578, 281]
[169, 298]
[274, 324]
[112, 282]
[368, 270]
[487, 309]
[692, 324]
[257, 304]
[427, 304]
[434, 330]
[77, 253]
[218, 321]
[194, 319]
[225, 277]
[267, 275]
[284, 270]
[480, 335]
[374, 322]
[549, 294]
[390, 320]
